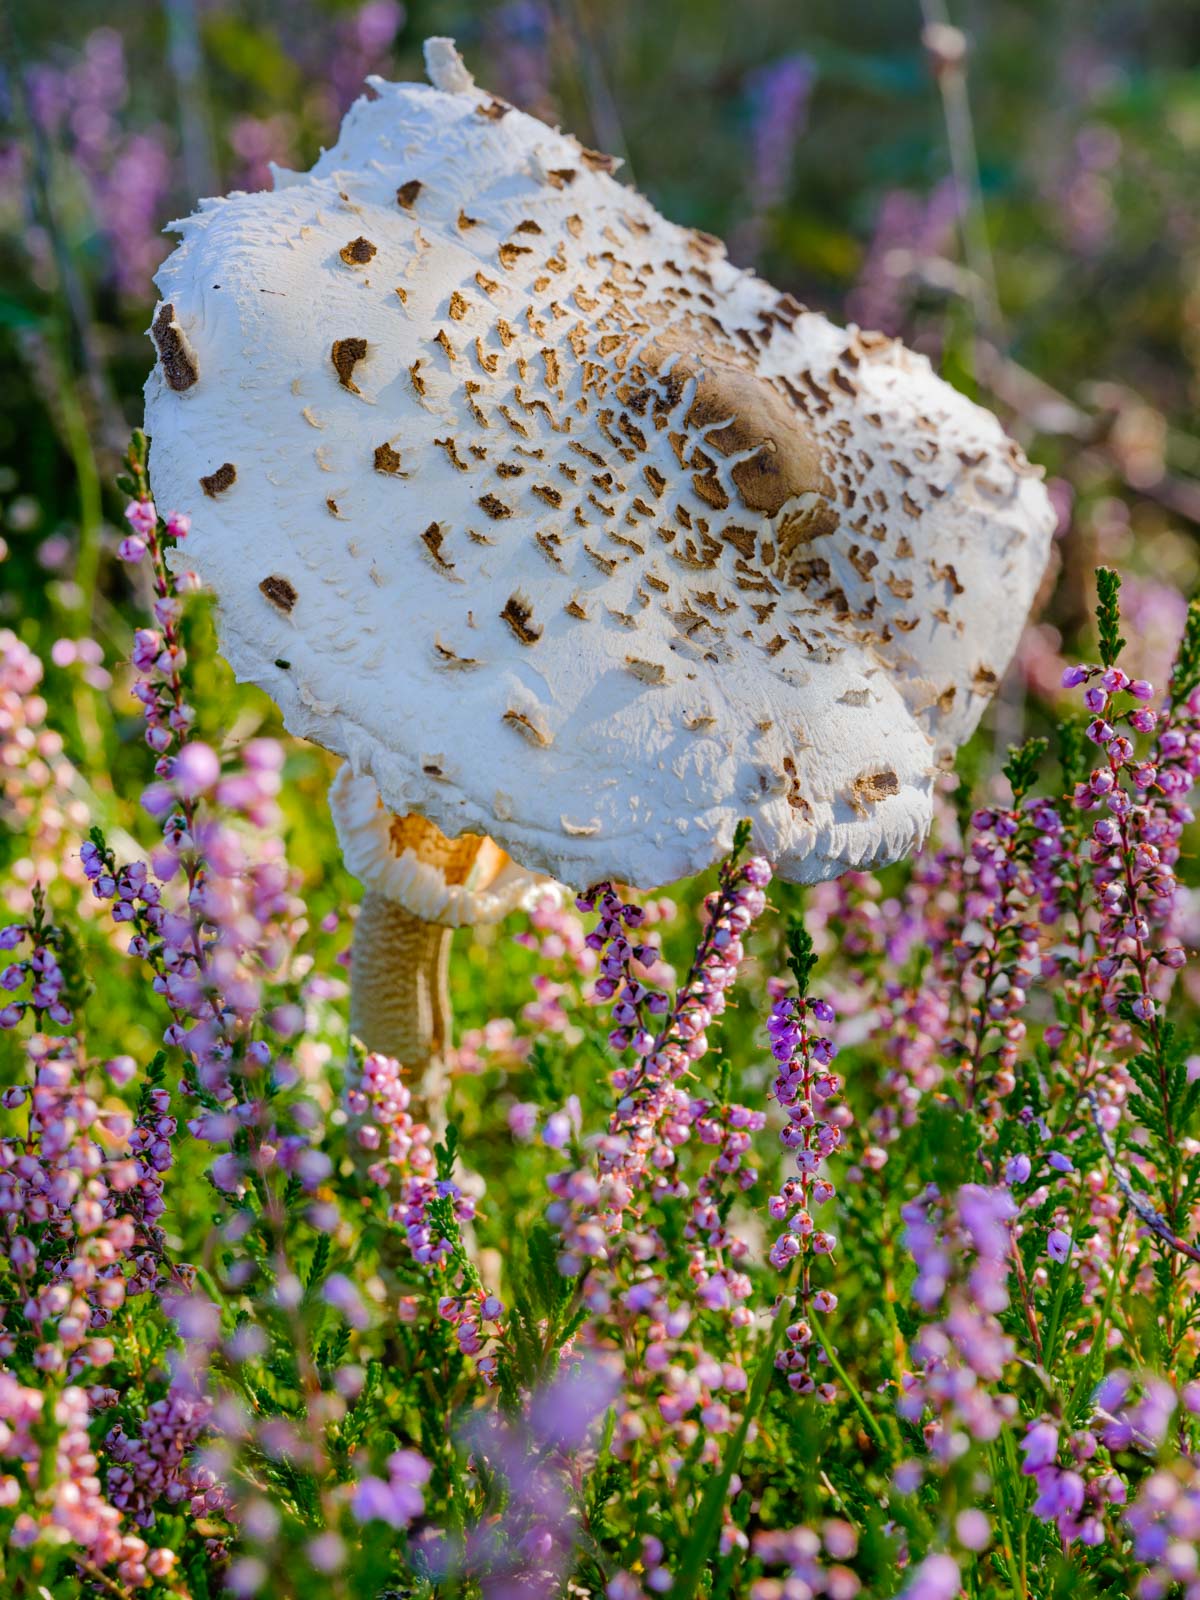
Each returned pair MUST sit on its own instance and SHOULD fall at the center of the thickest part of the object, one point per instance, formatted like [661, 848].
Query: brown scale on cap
[528, 728]
[279, 592]
[407, 193]
[358, 252]
[345, 355]
[518, 613]
[217, 482]
[175, 354]
[433, 539]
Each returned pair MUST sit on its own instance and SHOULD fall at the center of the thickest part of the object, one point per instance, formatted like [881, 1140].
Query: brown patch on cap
[560, 177]
[740, 411]
[432, 540]
[408, 192]
[358, 252]
[518, 613]
[279, 592]
[646, 671]
[345, 355]
[221, 479]
[451, 658]
[459, 306]
[509, 254]
[597, 160]
[528, 728]
[797, 530]
[387, 460]
[875, 786]
[493, 111]
[175, 354]
[496, 509]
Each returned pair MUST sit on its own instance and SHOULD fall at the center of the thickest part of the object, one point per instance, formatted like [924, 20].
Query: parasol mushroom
[420, 886]
[563, 529]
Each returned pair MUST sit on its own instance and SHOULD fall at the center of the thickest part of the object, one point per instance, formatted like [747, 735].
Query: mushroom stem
[399, 996]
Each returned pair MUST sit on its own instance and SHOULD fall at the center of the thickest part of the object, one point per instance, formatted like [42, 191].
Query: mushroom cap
[568, 532]
[458, 882]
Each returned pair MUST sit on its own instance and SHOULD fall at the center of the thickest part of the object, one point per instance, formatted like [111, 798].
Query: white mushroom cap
[536, 509]
[458, 883]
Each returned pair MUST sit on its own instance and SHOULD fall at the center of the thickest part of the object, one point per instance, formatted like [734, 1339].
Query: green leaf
[1108, 614]
[1021, 768]
[741, 838]
[1185, 674]
[801, 956]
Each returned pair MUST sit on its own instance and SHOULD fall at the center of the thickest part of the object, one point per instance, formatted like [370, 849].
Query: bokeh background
[1012, 186]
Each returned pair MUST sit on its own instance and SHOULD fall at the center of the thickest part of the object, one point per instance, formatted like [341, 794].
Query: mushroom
[564, 530]
[420, 886]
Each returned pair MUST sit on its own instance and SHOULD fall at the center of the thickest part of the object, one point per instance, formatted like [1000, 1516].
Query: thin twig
[947, 47]
[1138, 1202]
[602, 108]
[186, 58]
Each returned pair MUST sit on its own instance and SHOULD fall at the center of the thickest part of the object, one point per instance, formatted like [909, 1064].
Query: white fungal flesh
[369, 846]
[624, 535]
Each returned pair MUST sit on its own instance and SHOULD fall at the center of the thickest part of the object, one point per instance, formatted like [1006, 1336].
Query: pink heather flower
[195, 770]
[1058, 1245]
[131, 549]
[523, 1120]
[1039, 1446]
[179, 525]
[327, 1552]
[340, 1293]
[973, 1529]
[141, 516]
[226, 1173]
[937, 1578]
[561, 1125]
[398, 1498]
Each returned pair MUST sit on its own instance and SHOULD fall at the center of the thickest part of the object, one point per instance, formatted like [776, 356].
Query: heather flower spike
[563, 529]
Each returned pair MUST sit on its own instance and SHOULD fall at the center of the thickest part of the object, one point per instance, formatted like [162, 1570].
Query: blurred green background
[1025, 212]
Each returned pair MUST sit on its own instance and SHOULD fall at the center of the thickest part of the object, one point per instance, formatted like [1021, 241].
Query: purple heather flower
[1058, 1245]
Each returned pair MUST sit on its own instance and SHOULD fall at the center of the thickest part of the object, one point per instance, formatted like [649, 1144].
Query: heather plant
[778, 1244]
